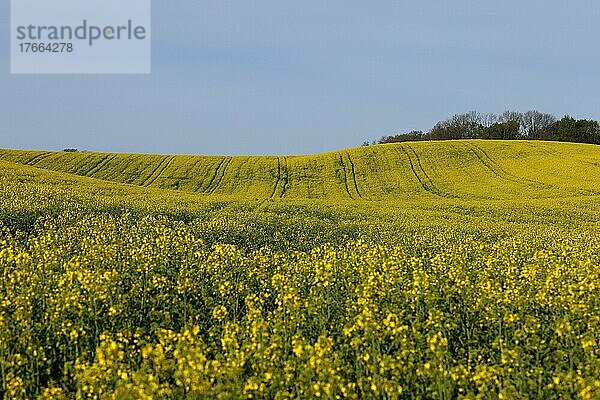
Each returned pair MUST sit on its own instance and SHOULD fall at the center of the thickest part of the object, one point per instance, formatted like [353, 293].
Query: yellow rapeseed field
[462, 269]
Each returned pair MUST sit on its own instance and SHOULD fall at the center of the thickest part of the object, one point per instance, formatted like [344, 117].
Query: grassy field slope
[452, 169]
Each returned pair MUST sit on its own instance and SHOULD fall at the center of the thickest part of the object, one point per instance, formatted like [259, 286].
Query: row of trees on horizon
[510, 125]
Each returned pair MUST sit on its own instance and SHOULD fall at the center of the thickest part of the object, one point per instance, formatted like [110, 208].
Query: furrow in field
[221, 175]
[75, 164]
[412, 167]
[383, 172]
[201, 173]
[92, 166]
[499, 171]
[85, 163]
[214, 176]
[353, 174]
[155, 171]
[33, 161]
[100, 165]
[472, 169]
[419, 172]
[345, 177]
[278, 178]
[123, 169]
[286, 178]
[180, 174]
[490, 166]
[158, 173]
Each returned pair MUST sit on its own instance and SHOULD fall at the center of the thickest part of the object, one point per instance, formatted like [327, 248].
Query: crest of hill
[477, 169]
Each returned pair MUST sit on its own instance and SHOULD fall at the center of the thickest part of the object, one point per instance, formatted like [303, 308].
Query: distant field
[438, 270]
[463, 169]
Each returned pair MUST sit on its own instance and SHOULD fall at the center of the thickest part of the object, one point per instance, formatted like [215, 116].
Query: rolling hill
[451, 169]
[430, 269]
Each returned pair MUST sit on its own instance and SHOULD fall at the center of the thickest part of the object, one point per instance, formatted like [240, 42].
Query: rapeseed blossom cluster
[119, 307]
[103, 297]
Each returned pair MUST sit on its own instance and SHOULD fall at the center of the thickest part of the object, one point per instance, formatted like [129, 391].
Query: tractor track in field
[282, 177]
[286, 178]
[212, 179]
[35, 160]
[353, 174]
[499, 173]
[345, 176]
[164, 159]
[162, 167]
[87, 172]
[278, 178]
[497, 170]
[425, 182]
[221, 175]
[101, 164]
[190, 174]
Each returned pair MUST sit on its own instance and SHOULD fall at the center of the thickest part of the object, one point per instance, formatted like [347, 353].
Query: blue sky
[296, 77]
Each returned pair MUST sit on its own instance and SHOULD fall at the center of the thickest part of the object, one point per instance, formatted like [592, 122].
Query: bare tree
[510, 117]
[488, 120]
[536, 123]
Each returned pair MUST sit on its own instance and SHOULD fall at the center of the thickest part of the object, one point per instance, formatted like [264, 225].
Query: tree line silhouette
[510, 125]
